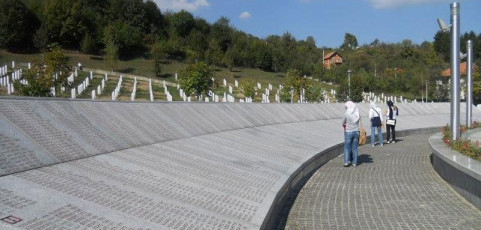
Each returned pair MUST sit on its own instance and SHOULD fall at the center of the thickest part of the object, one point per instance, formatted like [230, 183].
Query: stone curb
[461, 172]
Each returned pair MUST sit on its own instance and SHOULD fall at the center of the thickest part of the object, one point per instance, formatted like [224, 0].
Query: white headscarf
[351, 110]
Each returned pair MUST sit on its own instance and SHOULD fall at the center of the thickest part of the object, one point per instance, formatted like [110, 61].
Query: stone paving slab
[394, 187]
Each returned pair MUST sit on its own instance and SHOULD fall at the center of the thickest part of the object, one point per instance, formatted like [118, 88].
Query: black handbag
[376, 121]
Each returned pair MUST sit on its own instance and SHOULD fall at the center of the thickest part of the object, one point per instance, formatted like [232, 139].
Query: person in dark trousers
[391, 115]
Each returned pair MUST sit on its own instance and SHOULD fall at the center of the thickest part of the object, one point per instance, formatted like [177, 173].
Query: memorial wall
[129, 165]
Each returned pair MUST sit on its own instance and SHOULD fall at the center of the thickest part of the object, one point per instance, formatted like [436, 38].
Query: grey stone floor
[394, 187]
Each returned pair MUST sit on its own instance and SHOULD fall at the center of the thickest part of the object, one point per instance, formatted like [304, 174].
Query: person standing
[351, 133]
[391, 115]
[375, 115]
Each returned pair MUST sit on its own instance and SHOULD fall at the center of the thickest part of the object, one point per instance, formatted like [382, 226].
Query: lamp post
[349, 82]
[426, 91]
[469, 78]
[455, 71]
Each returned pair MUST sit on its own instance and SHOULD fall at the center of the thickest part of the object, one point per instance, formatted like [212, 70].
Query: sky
[390, 21]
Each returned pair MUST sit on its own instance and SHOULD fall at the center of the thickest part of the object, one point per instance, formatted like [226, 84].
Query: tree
[17, 26]
[214, 54]
[376, 42]
[157, 54]
[126, 38]
[350, 41]
[248, 87]
[39, 83]
[313, 93]
[287, 94]
[477, 87]
[228, 60]
[442, 43]
[356, 89]
[57, 65]
[111, 54]
[156, 23]
[296, 82]
[221, 32]
[343, 92]
[262, 55]
[196, 78]
[182, 23]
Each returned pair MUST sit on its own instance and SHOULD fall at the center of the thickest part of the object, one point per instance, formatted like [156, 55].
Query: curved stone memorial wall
[122, 165]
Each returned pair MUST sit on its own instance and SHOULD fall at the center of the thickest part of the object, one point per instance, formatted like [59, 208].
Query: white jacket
[373, 113]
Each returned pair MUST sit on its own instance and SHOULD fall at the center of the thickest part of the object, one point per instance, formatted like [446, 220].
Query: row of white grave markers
[183, 95]
[3, 70]
[81, 88]
[265, 96]
[383, 98]
[116, 91]
[228, 98]
[5, 82]
[100, 87]
[132, 95]
[215, 97]
[167, 93]
[17, 74]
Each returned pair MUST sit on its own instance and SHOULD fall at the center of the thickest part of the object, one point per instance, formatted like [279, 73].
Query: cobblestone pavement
[393, 187]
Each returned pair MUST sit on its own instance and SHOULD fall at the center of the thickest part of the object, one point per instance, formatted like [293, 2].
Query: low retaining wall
[461, 172]
[69, 164]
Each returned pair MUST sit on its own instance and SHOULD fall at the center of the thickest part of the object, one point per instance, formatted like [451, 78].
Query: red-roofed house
[332, 58]
[462, 69]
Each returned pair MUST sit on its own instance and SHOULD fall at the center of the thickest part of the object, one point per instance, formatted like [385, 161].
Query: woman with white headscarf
[351, 133]
[375, 114]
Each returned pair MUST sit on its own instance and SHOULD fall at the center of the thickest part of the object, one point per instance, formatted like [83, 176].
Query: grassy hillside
[145, 67]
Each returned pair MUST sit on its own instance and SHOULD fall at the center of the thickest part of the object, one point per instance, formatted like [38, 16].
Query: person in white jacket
[351, 124]
[375, 115]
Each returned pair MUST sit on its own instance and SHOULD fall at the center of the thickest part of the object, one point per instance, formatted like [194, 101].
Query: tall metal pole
[455, 72]
[349, 79]
[427, 91]
[469, 77]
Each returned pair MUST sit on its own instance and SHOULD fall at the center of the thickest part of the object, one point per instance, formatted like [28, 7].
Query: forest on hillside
[126, 29]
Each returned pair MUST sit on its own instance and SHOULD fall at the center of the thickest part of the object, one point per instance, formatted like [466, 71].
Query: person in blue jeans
[351, 133]
[375, 115]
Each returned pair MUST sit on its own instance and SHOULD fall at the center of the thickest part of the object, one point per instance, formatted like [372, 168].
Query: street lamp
[455, 71]
[349, 81]
[426, 91]
[469, 78]
[455, 56]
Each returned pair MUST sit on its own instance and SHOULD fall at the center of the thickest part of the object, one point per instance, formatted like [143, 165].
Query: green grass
[145, 67]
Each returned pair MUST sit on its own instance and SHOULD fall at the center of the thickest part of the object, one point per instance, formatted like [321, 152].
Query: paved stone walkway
[394, 187]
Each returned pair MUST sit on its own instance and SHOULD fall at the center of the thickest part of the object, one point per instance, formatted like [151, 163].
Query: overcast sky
[328, 20]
